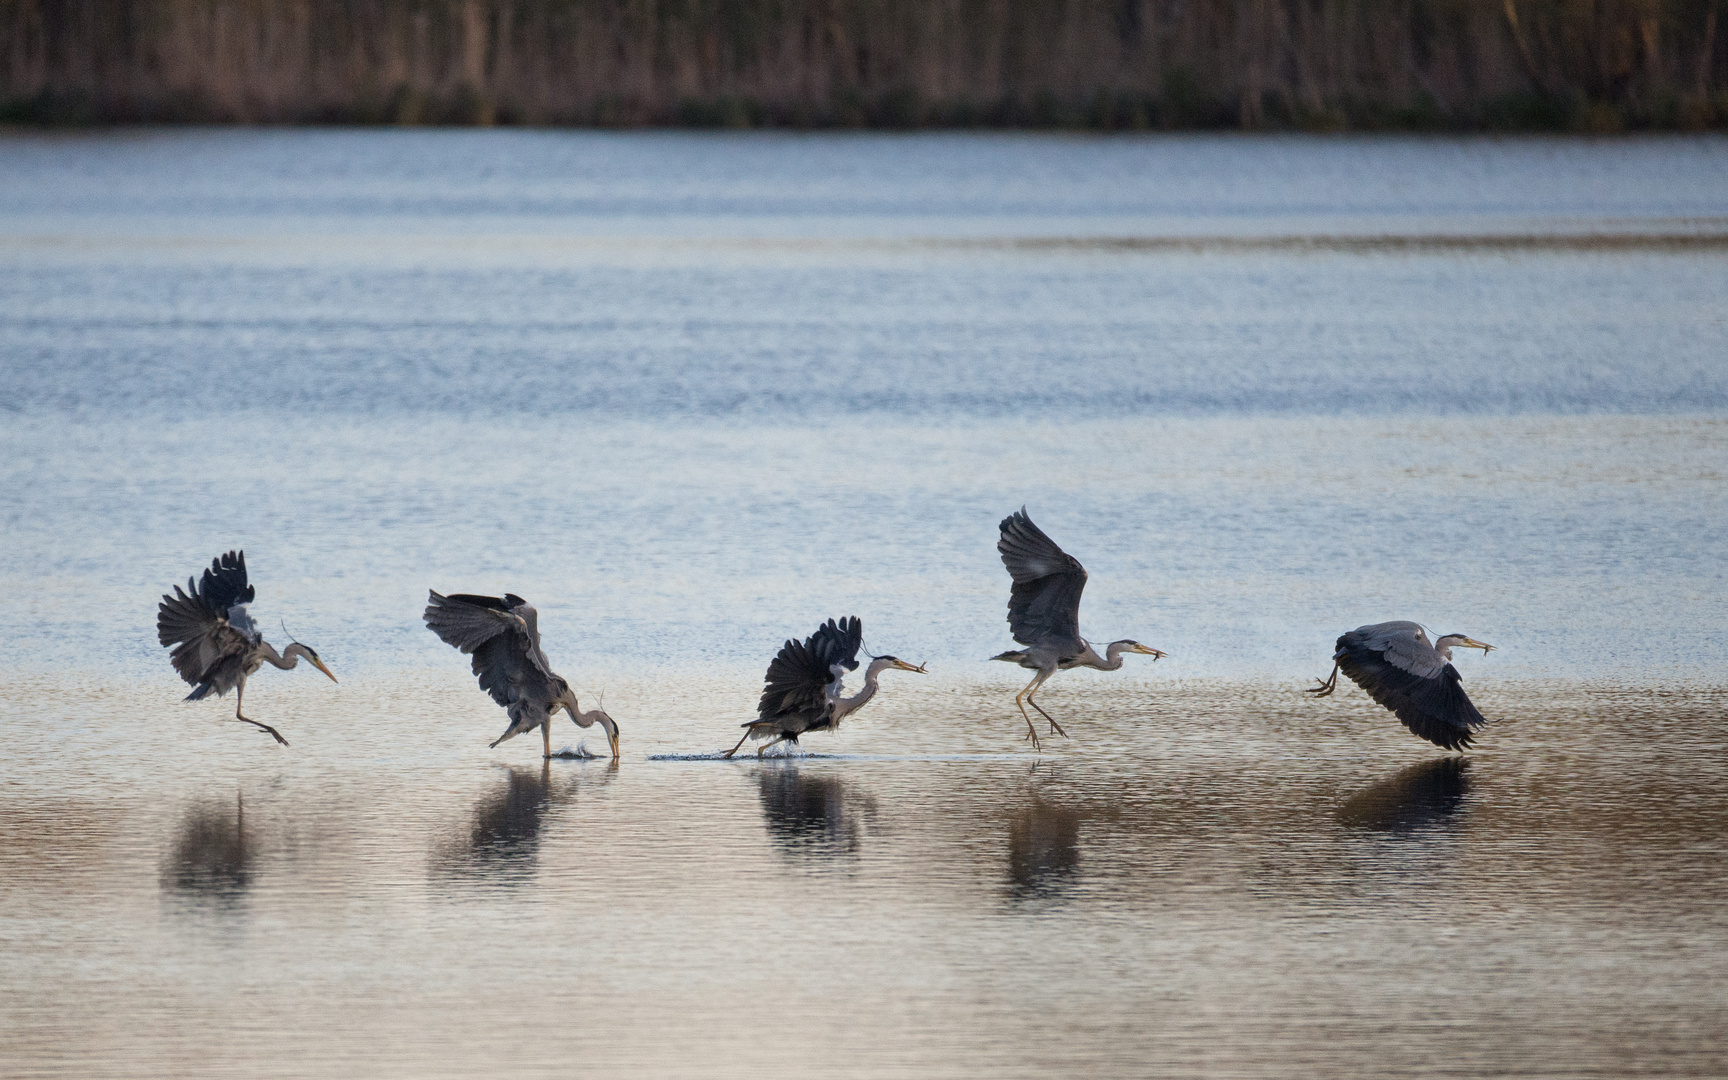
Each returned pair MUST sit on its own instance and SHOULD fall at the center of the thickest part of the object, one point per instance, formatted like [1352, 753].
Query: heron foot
[274, 734]
[762, 750]
[1324, 687]
[737, 744]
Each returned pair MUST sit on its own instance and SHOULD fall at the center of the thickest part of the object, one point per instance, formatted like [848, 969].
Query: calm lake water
[691, 394]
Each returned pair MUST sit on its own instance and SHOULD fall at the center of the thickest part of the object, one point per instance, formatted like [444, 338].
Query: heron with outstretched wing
[1412, 676]
[804, 689]
[1044, 614]
[503, 636]
[216, 644]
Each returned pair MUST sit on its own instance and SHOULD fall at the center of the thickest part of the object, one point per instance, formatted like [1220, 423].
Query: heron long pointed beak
[1153, 653]
[319, 664]
[612, 737]
[1472, 643]
[904, 666]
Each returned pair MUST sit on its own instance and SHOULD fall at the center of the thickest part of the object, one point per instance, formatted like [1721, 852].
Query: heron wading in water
[503, 635]
[805, 688]
[216, 644]
[1402, 670]
[1044, 614]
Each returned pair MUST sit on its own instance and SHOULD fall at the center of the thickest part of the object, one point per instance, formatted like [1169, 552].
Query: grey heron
[216, 644]
[503, 635]
[1413, 677]
[804, 688]
[1044, 614]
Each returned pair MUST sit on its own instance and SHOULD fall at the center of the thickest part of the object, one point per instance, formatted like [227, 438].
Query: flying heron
[504, 637]
[1044, 614]
[1402, 670]
[804, 690]
[216, 644]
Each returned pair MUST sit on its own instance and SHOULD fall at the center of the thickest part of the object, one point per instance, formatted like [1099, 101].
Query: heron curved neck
[1110, 661]
[286, 659]
[844, 705]
[597, 716]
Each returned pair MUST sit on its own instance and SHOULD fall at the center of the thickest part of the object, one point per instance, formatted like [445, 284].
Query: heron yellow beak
[613, 739]
[319, 664]
[904, 666]
[1474, 644]
[1153, 653]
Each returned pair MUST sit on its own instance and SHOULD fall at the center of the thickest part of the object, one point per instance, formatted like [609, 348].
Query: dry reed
[1314, 64]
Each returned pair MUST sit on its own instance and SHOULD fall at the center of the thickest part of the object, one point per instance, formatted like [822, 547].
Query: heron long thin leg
[1326, 687]
[740, 742]
[1019, 699]
[239, 694]
[546, 735]
[1054, 726]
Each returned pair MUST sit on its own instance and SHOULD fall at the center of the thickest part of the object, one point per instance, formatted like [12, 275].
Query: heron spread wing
[503, 637]
[838, 643]
[797, 680]
[1044, 606]
[1403, 644]
[1406, 675]
[208, 626]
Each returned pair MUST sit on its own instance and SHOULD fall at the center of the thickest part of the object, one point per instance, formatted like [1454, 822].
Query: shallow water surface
[1223, 879]
[693, 394]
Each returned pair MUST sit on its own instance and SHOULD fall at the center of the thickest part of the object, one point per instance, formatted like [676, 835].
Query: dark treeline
[1593, 65]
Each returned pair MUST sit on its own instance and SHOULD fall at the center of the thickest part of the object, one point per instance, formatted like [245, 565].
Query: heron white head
[1445, 644]
[1130, 645]
[883, 663]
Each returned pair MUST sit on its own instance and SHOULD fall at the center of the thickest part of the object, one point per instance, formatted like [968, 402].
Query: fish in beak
[1472, 643]
[1149, 651]
[904, 666]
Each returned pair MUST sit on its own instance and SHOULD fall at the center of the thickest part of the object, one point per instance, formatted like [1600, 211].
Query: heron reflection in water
[1423, 795]
[216, 644]
[1044, 614]
[804, 688]
[1413, 677]
[814, 812]
[213, 852]
[1043, 849]
[503, 635]
[506, 824]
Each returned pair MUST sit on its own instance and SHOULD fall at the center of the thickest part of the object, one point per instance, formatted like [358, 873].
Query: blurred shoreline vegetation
[1317, 65]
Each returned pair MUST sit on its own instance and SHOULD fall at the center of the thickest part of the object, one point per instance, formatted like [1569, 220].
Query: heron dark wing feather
[796, 685]
[507, 656]
[1434, 707]
[480, 601]
[1029, 554]
[1402, 644]
[208, 652]
[1047, 611]
[467, 622]
[1044, 604]
[503, 670]
[838, 643]
[224, 584]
